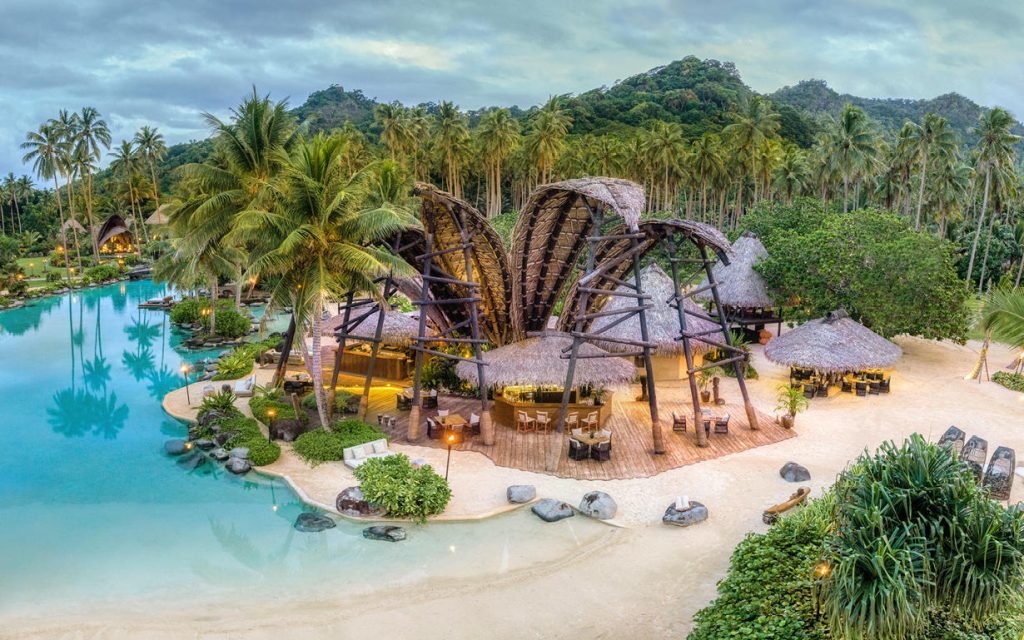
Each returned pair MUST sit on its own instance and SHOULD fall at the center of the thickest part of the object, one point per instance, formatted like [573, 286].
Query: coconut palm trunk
[63, 234]
[213, 305]
[152, 175]
[977, 231]
[88, 215]
[920, 192]
[315, 366]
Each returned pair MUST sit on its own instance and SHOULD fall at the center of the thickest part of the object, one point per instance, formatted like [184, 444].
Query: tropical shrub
[319, 446]
[102, 273]
[248, 435]
[223, 401]
[341, 400]
[235, 364]
[155, 249]
[439, 373]
[230, 323]
[54, 276]
[405, 492]
[261, 402]
[187, 311]
[1012, 381]
[352, 432]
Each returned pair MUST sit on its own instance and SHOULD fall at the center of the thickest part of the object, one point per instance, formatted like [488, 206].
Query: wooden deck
[632, 445]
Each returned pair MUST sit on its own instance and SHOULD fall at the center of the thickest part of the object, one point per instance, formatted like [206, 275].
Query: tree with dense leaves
[498, 134]
[43, 148]
[931, 138]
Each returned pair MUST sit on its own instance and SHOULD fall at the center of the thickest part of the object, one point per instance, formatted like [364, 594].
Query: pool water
[93, 512]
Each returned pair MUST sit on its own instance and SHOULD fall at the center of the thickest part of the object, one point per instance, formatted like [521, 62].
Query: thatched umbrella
[73, 224]
[739, 285]
[538, 361]
[834, 343]
[662, 319]
[159, 216]
[399, 330]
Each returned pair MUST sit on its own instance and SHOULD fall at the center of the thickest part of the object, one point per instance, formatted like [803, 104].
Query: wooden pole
[414, 411]
[652, 399]
[486, 426]
[698, 425]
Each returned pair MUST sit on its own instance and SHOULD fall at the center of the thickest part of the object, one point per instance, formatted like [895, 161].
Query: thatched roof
[683, 232]
[538, 361]
[551, 234]
[71, 223]
[400, 330]
[443, 216]
[159, 216]
[833, 343]
[662, 320]
[739, 285]
[115, 225]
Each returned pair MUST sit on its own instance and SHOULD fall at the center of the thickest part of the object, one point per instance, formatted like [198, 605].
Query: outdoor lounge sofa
[357, 455]
[244, 387]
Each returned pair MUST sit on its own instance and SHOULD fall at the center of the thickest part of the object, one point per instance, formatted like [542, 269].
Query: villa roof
[113, 226]
[538, 361]
[662, 319]
[399, 330]
[159, 216]
[550, 236]
[739, 285]
[71, 223]
[833, 343]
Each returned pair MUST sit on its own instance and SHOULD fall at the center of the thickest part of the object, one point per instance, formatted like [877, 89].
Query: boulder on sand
[793, 472]
[598, 504]
[352, 502]
[387, 533]
[687, 517]
[520, 493]
[550, 510]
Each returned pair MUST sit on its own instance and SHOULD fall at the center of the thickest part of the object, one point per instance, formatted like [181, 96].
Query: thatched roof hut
[655, 232]
[400, 330]
[551, 234]
[662, 320]
[739, 285]
[73, 225]
[115, 225]
[444, 216]
[538, 361]
[833, 343]
[159, 216]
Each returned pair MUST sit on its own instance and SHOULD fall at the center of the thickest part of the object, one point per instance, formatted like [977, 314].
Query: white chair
[576, 433]
[474, 423]
[591, 421]
[524, 422]
[543, 421]
[572, 420]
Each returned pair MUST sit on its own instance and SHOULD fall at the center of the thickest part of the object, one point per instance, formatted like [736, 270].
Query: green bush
[405, 492]
[260, 404]
[54, 276]
[341, 399]
[132, 260]
[319, 446]
[352, 432]
[186, 312]
[5, 301]
[239, 362]
[261, 450]
[230, 323]
[102, 273]
[222, 401]
[1012, 381]
[155, 249]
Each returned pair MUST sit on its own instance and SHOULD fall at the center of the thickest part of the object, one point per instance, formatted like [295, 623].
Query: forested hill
[816, 98]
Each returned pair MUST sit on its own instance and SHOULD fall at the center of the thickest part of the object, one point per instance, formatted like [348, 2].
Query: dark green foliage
[102, 273]
[240, 360]
[260, 403]
[439, 373]
[504, 224]
[222, 401]
[319, 446]
[1012, 381]
[768, 592]
[405, 492]
[341, 399]
[186, 312]
[155, 249]
[249, 436]
[887, 276]
[230, 323]
[352, 432]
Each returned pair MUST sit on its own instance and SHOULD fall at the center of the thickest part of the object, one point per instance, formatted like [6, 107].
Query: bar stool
[524, 423]
[543, 422]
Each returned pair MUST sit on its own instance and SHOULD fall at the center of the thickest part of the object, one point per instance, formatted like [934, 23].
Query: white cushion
[358, 453]
[367, 449]
[348, 454]
[380, 446]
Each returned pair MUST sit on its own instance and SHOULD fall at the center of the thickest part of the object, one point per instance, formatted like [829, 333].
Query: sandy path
[648, 580]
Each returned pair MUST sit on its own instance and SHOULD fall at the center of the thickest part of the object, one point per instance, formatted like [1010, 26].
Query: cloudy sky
[162, 63]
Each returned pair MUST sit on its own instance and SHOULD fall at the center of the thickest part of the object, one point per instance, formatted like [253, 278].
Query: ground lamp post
[451, 441]
[821, 572]
[270, 423]
[184, 374]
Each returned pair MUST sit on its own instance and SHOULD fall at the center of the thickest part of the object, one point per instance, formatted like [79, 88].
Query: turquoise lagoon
[93, 513]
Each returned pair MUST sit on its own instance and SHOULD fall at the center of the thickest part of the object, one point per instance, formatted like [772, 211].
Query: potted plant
[791, 402]
[704, 378]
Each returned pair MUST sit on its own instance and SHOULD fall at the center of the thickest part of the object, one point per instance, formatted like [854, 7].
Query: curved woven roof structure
[443, 216]
[115, 225]
[662, 319]
[550, 236]
[538, 361]
[654, 232]
[739, 285]
[833, 343]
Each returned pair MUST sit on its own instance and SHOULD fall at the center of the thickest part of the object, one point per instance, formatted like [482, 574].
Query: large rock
[238, 466]
[212, 416]
[177, 447]
[385, 532]
[309, 522]
[219, 454]
[793, 472]
[520, 493]
[239, 452]
[352, 502]
[192, 461]
[205, 444]
[686, 518]
[550, 510]
[598, 504]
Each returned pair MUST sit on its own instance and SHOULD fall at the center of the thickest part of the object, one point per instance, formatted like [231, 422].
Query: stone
[222, 438]
[219, 454]
[688, 517]
[238, 466]
[192, 461]
[309, 522]
[793, 472]
[520, 493]
[176, 447]
[598, 504]
[385, 532]
[550, 510]
[352, 502]
[205, 444]
[239, 452]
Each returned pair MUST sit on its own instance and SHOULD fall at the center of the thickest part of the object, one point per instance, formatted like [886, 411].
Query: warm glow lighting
[822, 570]
[451, 438]
[451, 548]
[273, 508]
[271, 413]
[184, 368]
[188, 445]
[252, 280]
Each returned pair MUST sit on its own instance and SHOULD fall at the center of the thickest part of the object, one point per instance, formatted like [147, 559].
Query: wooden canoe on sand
[771, 514]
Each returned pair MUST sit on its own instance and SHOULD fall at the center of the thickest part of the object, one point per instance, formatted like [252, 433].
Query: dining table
[591, 440]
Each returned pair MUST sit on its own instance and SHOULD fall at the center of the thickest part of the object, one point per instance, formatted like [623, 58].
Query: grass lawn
[36, 268]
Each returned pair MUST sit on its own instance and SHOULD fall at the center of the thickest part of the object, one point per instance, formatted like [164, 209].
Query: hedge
[405, 492]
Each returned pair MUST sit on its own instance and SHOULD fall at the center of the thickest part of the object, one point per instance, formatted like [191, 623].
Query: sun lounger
[999, 476]
[357, 455]
[772, 513]
[974, 454]
[244, 387]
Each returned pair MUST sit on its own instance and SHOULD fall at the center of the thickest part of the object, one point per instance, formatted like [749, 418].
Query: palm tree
[665, 148]
[396, 129]
[498, 133]
[791, 174]
[545, 142]
[43, 151]
[752, 128]
[932, 137]
[324, 242]
[13, 191]
[124, 158]
[150, 143]
[949, 184]
[67, 125]
[853, 145]
[93, 137]
[706, 160]
[1003, 317]
[995, 151]
[451, 135]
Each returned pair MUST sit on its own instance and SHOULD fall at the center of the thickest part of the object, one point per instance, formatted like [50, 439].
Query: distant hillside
[332, 107]
[816, 98]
